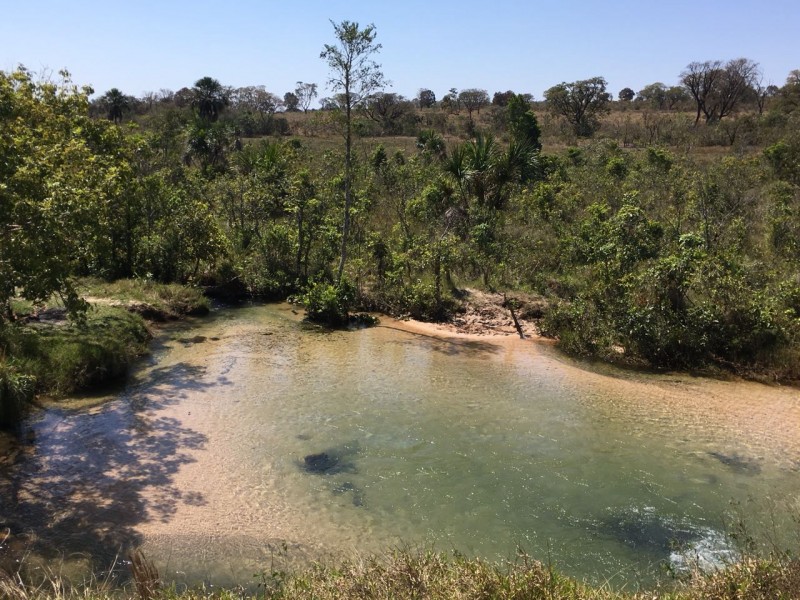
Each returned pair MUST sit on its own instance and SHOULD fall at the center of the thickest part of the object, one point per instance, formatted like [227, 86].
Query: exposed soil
[489, 313]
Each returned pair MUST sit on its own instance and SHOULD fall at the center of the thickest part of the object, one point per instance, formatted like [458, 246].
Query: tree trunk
[348, 185]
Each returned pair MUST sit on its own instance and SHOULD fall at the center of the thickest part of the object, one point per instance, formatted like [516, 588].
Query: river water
[252, 442]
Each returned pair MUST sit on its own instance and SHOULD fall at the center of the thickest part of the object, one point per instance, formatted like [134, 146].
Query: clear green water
[474, 446]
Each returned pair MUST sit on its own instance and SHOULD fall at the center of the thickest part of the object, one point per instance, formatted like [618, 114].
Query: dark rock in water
[740, 464]
[321, 463]
[331, 461]
[648, 532]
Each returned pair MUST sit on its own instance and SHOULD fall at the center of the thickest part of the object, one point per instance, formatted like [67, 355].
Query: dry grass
[429, 575]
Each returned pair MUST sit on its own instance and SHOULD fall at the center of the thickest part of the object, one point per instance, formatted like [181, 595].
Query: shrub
[329, 304]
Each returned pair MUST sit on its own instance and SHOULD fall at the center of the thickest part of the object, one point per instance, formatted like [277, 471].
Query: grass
[62, 358]
[56, 357]
[429, 575]
[172, 300]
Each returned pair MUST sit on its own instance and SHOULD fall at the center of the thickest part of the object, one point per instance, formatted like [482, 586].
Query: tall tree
[580, 103]
[354, 74]
[522, 123]
[305, 92]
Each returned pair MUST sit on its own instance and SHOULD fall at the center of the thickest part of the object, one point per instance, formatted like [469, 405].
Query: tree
[717, 88]
[626, 94]
[426, 98]
[473, 99]
[305, 92]
[654, 94]
[59, 169]
[116, 104]
[356, 75]
[291, 102]
[256, 99]
[522, 123]
[210, 98]
[502, 98]
[387, 109]
[580, 103]
[674, 96]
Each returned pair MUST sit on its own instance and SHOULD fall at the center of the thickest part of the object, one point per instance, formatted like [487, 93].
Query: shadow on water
[450, 346]
[75, 484]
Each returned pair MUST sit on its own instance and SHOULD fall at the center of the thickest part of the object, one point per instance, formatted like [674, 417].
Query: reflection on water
[253, 438]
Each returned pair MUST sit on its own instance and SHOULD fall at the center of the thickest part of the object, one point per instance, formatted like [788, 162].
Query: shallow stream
[252, 443]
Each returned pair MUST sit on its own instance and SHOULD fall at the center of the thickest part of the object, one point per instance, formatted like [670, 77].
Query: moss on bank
[43, 352]
[412, 575]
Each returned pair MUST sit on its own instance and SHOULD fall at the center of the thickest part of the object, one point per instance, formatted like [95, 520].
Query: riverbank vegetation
[412, 575]
[43, 352]
[659, 229]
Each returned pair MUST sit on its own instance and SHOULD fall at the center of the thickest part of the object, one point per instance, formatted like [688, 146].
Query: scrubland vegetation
[661, 229]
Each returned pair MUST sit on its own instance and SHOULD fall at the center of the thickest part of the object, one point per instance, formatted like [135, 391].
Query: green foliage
[580, 103]
[522, 123]
[16, 392]
[62, 359]
[329, 304]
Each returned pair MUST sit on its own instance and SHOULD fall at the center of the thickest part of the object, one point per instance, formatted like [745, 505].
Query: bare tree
[717, 88]
[700, 79]
[305, 92]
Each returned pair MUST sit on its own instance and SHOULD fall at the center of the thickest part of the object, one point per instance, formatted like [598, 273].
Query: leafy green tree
[580, 103]
[522, 123]
[53, 184]
[356, 76]
[626, 94]
[674, 96]
[654, 94]
[291, 102]
[209, 98]
[426, 98]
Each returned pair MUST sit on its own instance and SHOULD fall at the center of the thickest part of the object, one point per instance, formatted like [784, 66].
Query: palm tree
[116, 104]
[210, 98]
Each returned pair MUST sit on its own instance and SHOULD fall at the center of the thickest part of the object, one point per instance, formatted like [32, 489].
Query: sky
[523, 45]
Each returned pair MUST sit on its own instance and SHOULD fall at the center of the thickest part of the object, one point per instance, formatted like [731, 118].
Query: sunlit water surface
[207, 457]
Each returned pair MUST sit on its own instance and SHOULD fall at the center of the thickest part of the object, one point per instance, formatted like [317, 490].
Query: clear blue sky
[524, 45]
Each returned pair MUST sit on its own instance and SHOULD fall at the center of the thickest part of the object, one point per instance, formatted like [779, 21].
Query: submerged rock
[647, 531]
[320, 463]
[331, 461]
[740, 464]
